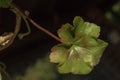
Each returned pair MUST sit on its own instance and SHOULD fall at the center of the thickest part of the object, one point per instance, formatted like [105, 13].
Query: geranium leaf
[80, 50]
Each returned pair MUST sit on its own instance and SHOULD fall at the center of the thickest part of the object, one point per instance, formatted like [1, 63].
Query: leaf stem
[44, 30]
[36, 25]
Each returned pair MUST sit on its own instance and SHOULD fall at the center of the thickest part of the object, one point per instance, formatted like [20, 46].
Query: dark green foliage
[5, 3]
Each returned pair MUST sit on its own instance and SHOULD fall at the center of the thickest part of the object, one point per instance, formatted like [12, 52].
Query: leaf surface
[80, 50]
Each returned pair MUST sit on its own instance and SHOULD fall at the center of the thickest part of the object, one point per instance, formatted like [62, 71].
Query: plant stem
[44, 30]
[17, 28]
[36, 25]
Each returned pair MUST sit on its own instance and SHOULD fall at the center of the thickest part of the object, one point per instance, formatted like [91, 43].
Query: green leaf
[85, 28]
[77, 21]
[66, 33]
[84, 50]
[75, 62]
[98, 50]
[5, 3]
[58, 52]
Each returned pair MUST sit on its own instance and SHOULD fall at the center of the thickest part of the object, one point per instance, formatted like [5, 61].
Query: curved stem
[44, 30]
[36, 25]
[17, 28]
[21, 35]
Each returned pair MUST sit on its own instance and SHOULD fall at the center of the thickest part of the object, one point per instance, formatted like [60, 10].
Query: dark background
[51, 14]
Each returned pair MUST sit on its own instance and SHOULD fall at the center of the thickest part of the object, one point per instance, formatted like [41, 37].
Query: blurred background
[27, 59]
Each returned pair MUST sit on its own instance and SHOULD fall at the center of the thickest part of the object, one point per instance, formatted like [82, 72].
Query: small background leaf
[5, 3]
